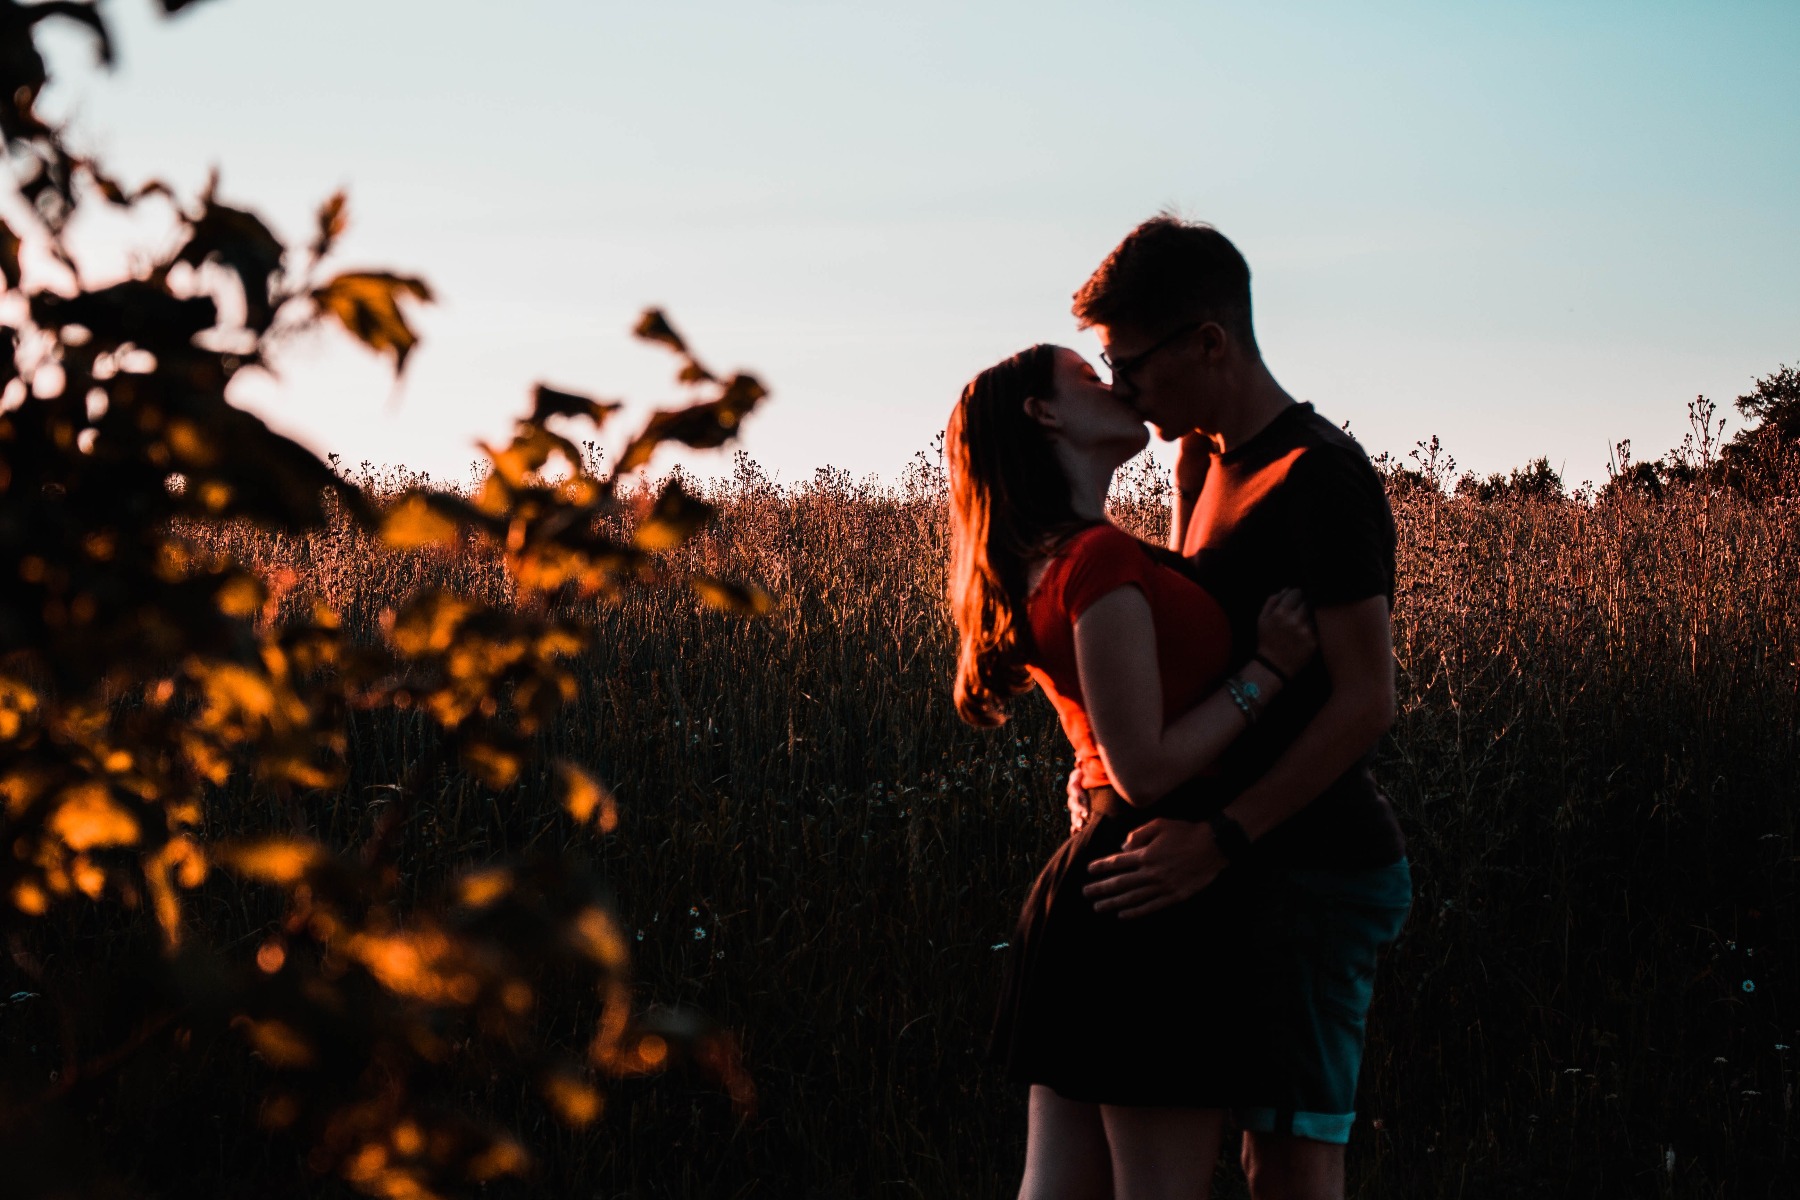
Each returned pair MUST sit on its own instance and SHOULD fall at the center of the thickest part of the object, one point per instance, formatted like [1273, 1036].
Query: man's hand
[1079, 809]
[1193, 457]
[1163, 863]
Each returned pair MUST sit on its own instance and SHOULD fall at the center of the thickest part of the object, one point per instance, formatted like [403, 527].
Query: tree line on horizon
[1759, 462]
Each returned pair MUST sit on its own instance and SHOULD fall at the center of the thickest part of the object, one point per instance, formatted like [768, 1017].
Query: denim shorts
[1316, 946]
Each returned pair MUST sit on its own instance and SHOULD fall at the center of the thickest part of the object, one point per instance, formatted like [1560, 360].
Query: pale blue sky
[1531, 228]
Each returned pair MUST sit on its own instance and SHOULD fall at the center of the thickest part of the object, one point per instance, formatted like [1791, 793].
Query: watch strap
[1233, 842]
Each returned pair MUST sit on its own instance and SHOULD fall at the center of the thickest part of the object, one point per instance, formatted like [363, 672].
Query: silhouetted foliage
[141, 672]
[1760, 462]
[1536, 481]
[1775, 402]
[1764, 458]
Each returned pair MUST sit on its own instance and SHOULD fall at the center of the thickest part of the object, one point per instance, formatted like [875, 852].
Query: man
[1269, 494]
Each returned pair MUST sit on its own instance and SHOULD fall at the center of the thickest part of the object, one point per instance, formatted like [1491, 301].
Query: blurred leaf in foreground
[673, 519]
[367, 303]
[240, 241]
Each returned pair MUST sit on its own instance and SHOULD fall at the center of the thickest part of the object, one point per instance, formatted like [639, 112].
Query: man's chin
[1169, 433]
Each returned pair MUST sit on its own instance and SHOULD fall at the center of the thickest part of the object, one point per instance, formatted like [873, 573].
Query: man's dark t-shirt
[1299, 505]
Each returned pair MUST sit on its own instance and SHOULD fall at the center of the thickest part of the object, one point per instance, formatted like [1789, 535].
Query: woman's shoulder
[1095, 561]
[1102, 538]
[1100, 545]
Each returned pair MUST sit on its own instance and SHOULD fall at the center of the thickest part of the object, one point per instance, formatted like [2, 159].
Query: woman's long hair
[1009, 504]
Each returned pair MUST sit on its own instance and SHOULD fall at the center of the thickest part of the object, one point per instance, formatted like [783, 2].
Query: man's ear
[1213, 341]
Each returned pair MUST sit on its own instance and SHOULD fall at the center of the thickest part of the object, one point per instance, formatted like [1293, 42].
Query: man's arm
[1181, 508]
[1193, 455]
[1357, 643]
[1165, 861]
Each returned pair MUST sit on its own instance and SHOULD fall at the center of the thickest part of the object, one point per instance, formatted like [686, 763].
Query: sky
[1531, 228]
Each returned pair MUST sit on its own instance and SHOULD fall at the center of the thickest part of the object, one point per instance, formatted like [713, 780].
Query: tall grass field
[1595, 764]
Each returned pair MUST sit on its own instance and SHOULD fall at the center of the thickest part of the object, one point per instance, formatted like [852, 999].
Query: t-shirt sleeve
[1345, 526]
[1104, 561]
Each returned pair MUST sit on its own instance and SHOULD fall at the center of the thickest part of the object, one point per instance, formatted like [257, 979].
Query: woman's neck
[1090, 479]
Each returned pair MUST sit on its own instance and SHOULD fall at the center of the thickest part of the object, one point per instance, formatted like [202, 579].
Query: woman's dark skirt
[1151, 1011]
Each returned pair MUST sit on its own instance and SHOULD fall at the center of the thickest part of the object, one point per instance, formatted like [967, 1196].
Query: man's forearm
[1181, 509]
[1345, 729]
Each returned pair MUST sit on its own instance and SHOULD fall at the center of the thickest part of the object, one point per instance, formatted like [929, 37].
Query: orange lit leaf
[674, 519]
[597, 935]
[240, 596]
[494, 765]
[742, 599]
[367, 303]
[332, 222]
[233, 691]
[478, 889]
[527, 453]
[584, 796]
[413, 522]
[278, 1042]
[429, 623]
[651, 1051]
[574, 1100]
[180, 860]
[29, 898]
[273, 860]
[18, 703]
[89, 817]
[420, 963]
[504, 1157]
[89, 876]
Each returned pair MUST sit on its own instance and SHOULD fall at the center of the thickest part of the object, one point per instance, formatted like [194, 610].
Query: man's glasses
[1124, 368]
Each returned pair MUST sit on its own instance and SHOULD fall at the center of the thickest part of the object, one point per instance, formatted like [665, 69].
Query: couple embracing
[1201, 951]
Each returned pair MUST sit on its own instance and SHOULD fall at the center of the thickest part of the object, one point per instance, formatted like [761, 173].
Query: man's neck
[1259, 403]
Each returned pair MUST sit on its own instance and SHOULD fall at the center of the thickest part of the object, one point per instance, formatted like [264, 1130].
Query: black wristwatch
[1233, 842]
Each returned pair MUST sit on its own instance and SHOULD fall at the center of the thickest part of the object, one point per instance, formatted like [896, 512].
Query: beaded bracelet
[1245, 695]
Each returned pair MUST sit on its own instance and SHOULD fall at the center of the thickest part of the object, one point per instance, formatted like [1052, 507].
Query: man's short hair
[1168, 272]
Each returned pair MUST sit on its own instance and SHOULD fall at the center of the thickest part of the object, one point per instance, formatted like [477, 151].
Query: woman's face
[1084, 412]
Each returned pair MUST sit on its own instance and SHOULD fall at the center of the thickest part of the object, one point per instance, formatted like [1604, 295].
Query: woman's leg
[1065, 1150]
[1163, 1153]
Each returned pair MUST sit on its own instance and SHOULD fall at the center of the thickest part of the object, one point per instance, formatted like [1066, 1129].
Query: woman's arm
[1121, 687]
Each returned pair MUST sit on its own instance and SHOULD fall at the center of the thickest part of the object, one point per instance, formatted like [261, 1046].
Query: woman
[1125, 1030]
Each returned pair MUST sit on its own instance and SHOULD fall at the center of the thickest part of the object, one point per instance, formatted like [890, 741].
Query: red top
[1193, 638]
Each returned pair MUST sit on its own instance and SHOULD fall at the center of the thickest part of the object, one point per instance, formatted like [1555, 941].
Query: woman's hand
[1284, 631]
